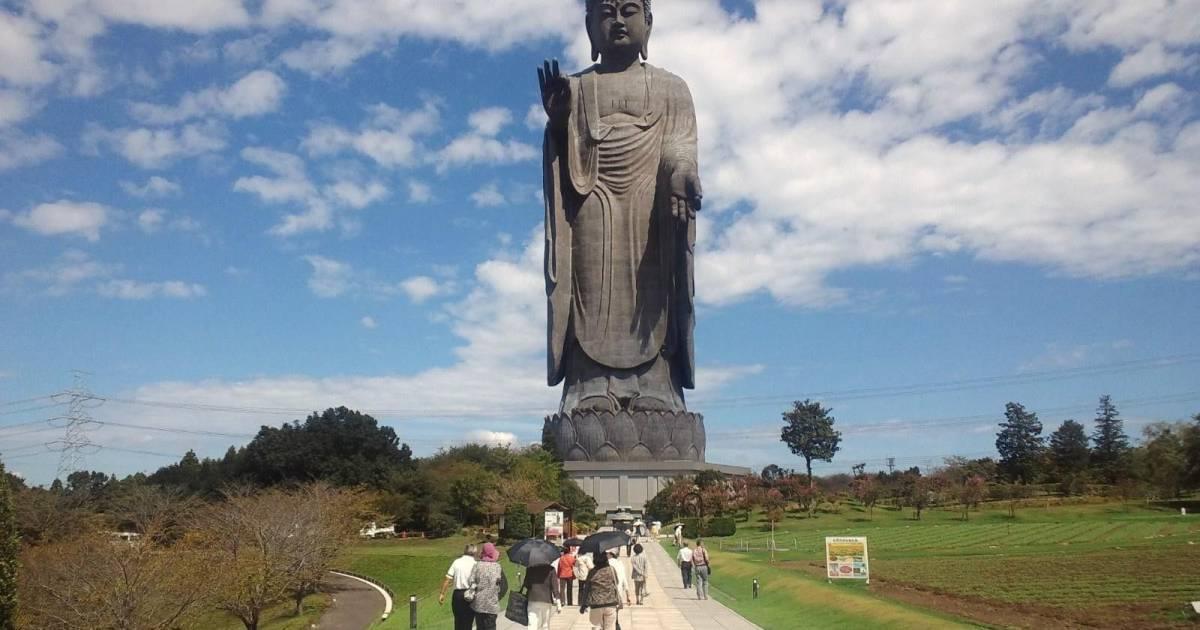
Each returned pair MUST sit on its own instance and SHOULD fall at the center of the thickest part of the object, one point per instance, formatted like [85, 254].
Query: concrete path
[355, 605]
[668, 606]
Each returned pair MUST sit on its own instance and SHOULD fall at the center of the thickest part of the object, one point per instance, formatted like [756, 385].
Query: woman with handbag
[600, 594]
[488, 586]
[541, 589]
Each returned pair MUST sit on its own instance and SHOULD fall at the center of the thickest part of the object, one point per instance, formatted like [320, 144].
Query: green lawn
[1099, 564]
[415, 567]
[279, 617]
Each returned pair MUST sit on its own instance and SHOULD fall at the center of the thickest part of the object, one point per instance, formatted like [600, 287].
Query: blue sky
[231, 212]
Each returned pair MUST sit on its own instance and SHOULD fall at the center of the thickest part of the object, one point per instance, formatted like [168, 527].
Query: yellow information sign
[846, 558]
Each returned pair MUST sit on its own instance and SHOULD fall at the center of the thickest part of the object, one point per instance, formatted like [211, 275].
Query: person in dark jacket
[541, 587]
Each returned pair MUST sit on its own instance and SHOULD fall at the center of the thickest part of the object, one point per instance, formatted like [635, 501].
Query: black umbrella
[573, 542]
[533, 552]
[603, 541]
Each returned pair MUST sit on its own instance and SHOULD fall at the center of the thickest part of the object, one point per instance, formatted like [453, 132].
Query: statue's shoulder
[586, 71]
[662, 75]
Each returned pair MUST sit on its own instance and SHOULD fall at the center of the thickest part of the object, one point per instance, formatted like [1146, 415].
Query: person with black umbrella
[541, 580]
[599, 596]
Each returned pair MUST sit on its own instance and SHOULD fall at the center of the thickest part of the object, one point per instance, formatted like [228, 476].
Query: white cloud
[535, 118]
[355, 195]
[291, 185]
[196, 17]
[19, 149]
[370, 24]
[420, 288]
[259, 92]
[369, 322]
[248, 50]
[847, 151]
[150, 221]
[330, 278]
[66, 218]
[22, 47]
[488, 196]
[134, 290]
[1151, 61]
[490, 121]
[323, 57]
[154, 187]
[389, 136]
[75, 271]
[1059, 356]
[491, 438]
[71, 270]
[419, 192]
[156, 148]
[15, 107]
[473, 148]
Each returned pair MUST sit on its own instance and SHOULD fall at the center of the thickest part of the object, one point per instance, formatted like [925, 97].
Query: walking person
[701, 567]
[566, 576]
[640, 568]
[614, 560]
[490, 586]
[541, 588]
[599, 594]
[459, 575]
[685, 564]
[679, 535]
[630, 543]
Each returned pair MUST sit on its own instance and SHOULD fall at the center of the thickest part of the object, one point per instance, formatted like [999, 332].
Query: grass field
[415, 567]
[279, 617]
[1102, 565]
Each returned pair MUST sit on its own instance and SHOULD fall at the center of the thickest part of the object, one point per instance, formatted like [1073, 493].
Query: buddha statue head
[620, 28]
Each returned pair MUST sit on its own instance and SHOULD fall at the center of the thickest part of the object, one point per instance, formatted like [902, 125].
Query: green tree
[1191, 447]
[9, 550]
[1020, 444]
[340, 446]
[517, 523]
[808, 431]
[1069, 454]
[1163, 460]
[1110, 454]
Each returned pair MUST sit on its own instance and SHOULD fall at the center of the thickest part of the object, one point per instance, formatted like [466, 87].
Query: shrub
[721, 526]
[442, 526]
[517, 524]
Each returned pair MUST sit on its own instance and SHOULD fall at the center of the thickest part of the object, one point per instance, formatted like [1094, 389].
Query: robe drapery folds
[619, 267]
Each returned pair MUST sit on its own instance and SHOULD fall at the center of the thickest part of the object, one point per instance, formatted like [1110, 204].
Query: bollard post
[755, 588]
[412, 611]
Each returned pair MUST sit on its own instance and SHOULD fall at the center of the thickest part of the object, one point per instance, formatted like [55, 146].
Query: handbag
[469, 594]
[517, 610]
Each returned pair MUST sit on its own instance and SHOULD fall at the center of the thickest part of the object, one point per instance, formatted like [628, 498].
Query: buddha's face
[619, 26]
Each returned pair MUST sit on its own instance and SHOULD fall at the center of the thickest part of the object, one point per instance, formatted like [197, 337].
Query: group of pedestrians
[695, 563]
[479, 585]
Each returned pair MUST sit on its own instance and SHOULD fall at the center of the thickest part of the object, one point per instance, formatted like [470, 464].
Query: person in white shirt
[685, 565]
[679, 535]
[614, 560]
[459, 575]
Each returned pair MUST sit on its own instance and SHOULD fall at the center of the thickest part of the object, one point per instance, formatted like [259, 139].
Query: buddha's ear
[592, 38]
[649, 31]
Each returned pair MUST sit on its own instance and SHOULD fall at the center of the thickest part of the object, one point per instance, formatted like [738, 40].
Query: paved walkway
[356, 606]
[668, 606]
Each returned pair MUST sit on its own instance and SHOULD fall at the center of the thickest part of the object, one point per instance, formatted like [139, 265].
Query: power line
[10, 403]
[718, 403]
[935, 423]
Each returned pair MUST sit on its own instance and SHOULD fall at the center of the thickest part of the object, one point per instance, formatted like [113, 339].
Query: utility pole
[891, 465]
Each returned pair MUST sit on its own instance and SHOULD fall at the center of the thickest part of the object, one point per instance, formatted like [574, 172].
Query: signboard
[554, 524]
[846, 558]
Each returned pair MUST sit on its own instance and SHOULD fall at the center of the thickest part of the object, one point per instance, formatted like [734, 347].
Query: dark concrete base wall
[624, 436]
[632, 484]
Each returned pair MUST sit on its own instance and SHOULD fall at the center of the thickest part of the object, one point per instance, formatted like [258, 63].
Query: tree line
[270, 518]
[1163, 464]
